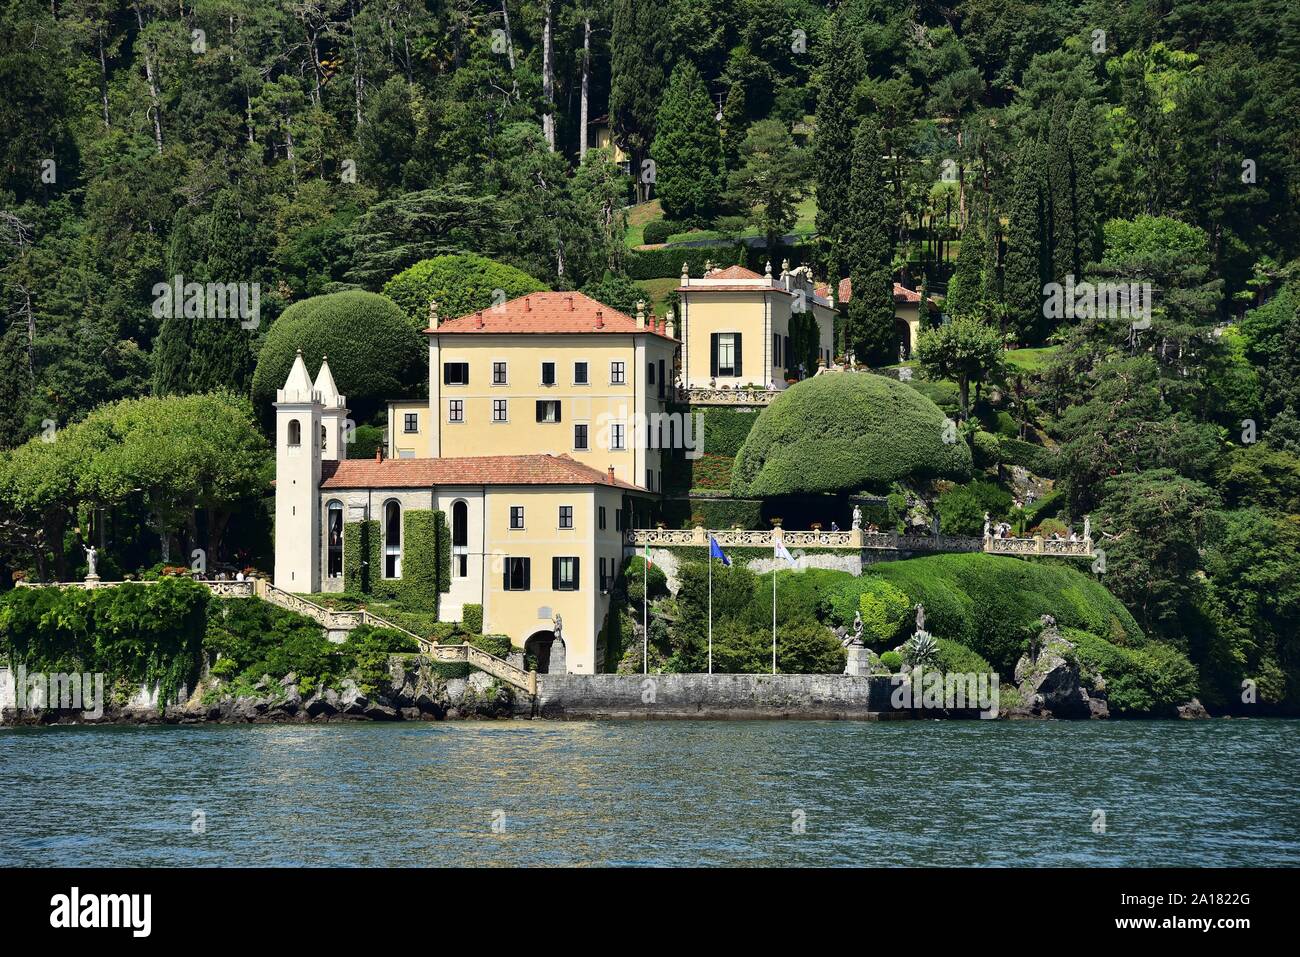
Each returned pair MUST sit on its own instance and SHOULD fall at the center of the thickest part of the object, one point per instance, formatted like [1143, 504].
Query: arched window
[295, 433]
[392, 540]
[334, 539]
[324, 438]
[460, 539]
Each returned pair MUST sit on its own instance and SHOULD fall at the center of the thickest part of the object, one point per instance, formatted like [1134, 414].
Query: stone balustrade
[856, 539]
[738, 397]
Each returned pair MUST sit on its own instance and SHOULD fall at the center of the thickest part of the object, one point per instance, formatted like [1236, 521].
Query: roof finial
[433, 313]
[767, 271]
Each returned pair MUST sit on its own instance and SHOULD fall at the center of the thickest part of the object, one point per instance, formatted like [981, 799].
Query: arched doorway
[547, 652]
[903, 339]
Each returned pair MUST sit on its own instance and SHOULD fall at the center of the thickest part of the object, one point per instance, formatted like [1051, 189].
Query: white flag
[779, 551]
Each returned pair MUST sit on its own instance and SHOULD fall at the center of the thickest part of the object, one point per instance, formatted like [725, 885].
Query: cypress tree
[733, 125]
[638, 56]
[1023, 280]
[686, 150]
[171, 352]
[869, 226]
[966, 288]
[833, 142]
[1060, 195]
[221, 353]
[1082, 160]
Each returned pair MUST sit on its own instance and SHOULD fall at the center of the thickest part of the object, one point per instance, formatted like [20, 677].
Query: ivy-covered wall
[426, 560]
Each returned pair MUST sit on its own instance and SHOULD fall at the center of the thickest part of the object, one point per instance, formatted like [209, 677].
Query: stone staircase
[341, 622]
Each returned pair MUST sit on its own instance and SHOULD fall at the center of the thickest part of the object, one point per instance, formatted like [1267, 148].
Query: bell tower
[298, 415]
[333, 417]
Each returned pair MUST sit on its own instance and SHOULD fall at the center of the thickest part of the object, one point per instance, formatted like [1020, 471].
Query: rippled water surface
[655, 793]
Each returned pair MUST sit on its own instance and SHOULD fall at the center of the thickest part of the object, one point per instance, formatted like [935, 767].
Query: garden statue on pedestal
[91, 574]
[858, 662]
[857, 518]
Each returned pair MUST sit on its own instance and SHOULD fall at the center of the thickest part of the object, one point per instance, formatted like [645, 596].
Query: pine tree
[1023, 282]
[869, 226]
[966, 289]
[733, 125]
[638, 58]
[686, 150]
[833, 143]
[220, 347]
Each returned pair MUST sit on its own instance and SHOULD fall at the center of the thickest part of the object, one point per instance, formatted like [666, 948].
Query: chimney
[478, 319]
[609, 475]
[640, 314]
[569, 300]
[528, 306]
[433, 314]
[379, 454]
[600, 318]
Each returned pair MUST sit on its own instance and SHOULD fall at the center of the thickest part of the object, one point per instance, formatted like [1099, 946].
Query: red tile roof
[901, 292]
[732, 272]
[539, 469]
[546, 312]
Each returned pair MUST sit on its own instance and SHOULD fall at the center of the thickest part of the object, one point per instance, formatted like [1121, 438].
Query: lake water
[1206, 793]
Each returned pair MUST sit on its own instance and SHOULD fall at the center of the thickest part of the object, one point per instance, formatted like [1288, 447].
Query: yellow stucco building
[540, 441]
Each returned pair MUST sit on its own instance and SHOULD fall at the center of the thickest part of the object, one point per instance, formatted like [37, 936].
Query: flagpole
[710, 606]
[645, 612]
[773, 616]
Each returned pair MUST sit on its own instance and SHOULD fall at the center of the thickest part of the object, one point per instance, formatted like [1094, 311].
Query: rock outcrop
[1050, 682]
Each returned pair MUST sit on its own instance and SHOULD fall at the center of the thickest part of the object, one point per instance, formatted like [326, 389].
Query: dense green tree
[867, 250]
[964, 349]
[686, 149]
[840, 67]
[770, 181]
[638, 55]
[458, 284]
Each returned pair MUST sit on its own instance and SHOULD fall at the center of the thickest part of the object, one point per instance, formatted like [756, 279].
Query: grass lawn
[657, 291]
[637, 217]
[1030, 360]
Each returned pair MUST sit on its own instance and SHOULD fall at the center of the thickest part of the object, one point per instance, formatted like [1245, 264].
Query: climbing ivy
[426, 560]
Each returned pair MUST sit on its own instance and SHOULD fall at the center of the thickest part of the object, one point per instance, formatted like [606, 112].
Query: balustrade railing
[856, 539]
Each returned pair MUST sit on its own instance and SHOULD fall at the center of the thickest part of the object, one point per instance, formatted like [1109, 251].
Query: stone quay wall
[703, 696]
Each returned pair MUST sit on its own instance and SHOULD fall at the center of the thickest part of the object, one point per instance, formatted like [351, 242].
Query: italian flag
[648, 564]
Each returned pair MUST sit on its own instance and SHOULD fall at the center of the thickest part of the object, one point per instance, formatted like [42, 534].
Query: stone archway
[548, 651]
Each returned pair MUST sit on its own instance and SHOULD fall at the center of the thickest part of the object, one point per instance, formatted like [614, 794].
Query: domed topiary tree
[374, 351]
[844, 432]
[459, 284]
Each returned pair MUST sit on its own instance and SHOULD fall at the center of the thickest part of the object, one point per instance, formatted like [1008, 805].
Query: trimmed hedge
[472, 619]
[954, 657]
[460, 284]
[712, 512]
[725, 430]
[992, 604]
[376, 352]
[845, 432]
[1038, 459]
[943, 394]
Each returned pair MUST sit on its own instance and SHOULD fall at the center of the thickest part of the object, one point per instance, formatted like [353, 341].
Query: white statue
[1087, 528]
[557, 626]
[987, 531]
[857, 518]
[920, 618]
[91, 552]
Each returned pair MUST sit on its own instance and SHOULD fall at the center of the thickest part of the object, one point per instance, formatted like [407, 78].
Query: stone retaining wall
[823, 697]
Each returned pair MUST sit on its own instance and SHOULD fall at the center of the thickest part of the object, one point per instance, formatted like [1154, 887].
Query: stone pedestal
[859, 661]
[92, 581]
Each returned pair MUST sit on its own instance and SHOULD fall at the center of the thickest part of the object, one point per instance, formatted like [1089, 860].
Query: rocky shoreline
[414, 691]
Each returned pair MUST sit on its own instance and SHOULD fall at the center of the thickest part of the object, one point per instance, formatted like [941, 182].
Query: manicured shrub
[725, 430]
[375, 353]
[962, 508]
[844, 432]
[658, 231]
[943, 394]
[472, 619]
[636, 576]
[883, 608]
[1038, 459]
[957, 658]
[984, 449]
[460, 284]
[892, 660]
[498, 645]
[992, 604]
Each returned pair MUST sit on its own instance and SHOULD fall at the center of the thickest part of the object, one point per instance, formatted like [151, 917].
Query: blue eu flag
[715, 551]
